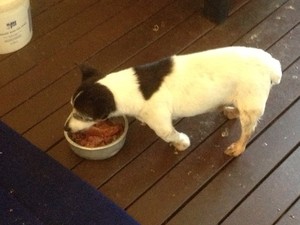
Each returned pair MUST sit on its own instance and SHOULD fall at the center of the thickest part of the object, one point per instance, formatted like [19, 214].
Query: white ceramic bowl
[102, 152]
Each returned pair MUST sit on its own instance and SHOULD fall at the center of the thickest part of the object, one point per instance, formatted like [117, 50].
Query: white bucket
[15, 25]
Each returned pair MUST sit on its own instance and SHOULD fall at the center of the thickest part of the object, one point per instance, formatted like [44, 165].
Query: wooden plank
[52, 126]
[62, 153]
[236, 26]
[172, 42]
[283, 20]
[57, 15]
[157, 160]
[292, 216]
[132, 149]
[277, 192]
[38, 7]
[143, 35]
[183, 35]
[24, 87]
[239, 177]
[290, 41]
[188, 32]
[64, 34]
[62, 89]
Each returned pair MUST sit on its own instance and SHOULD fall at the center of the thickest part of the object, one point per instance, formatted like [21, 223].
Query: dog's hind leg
[248, 120]
[231, 112]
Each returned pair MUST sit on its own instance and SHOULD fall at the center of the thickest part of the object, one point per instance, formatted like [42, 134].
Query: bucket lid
[6, 5]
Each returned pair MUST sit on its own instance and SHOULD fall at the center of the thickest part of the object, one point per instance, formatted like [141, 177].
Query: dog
[236, 79]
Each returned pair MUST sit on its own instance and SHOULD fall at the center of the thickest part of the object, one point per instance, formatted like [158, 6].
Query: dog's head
[91, 102]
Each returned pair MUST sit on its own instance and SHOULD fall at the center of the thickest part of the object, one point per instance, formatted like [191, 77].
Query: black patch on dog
[151, 76]
[94, 100]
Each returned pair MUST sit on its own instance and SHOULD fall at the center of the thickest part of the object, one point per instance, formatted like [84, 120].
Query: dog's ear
[88, 72]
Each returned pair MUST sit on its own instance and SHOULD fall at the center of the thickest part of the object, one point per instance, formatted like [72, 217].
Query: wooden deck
[198, 186]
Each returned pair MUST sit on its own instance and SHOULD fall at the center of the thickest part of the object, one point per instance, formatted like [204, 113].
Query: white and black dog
[236, 79]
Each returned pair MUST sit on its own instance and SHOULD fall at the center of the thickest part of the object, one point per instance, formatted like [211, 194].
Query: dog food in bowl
[100, 134]
[101, 141]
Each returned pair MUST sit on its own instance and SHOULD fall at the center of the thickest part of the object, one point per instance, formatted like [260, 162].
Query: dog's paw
[234, 150]
[183, 143]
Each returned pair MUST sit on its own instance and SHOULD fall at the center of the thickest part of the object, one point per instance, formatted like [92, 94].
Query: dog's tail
[276, 71]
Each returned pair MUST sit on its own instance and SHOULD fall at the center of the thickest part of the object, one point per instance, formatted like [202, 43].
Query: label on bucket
[15, 29]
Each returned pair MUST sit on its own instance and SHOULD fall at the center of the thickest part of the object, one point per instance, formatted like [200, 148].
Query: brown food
[100, 134]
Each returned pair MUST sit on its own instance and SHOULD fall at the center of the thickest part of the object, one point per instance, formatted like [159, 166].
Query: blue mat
[36, 190]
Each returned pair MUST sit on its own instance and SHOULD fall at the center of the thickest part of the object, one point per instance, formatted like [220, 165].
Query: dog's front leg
[179, 140]
[163, 127]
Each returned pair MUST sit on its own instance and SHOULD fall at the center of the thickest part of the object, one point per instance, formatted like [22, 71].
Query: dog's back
[201, 82]
[229, 62]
